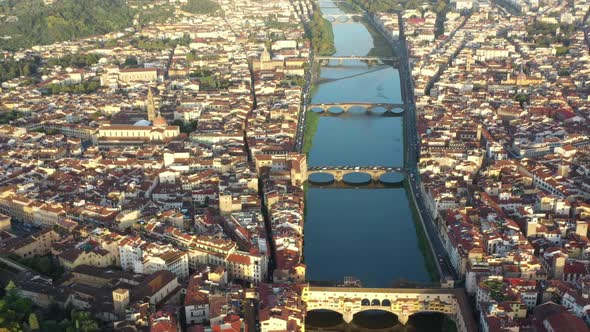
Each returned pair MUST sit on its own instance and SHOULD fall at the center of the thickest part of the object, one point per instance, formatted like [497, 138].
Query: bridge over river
[354, 57]
[389, 108]
[403, 302]
[376, 174]
[342, 17]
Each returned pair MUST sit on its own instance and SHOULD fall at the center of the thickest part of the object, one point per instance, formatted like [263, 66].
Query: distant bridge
[338, 172]
[390, 108]
[342, 17]
[355, 57]
[403, 302]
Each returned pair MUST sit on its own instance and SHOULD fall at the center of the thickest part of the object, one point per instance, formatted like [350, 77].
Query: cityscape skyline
[292, 165]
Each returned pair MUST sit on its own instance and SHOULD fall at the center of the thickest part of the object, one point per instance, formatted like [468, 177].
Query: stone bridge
[338, 172]
[403, 302]
[342, 17]
[369, 107]
[354, 57]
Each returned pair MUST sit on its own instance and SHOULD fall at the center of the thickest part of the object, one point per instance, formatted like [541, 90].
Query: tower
[558, 266]
[120, 301]
[265, 56]
[150, 105]
[264, 59]
[468, 62]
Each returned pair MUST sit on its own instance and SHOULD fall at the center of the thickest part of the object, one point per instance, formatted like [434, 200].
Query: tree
[95, 115]
[63, 20]
[321, 35]
[130, 61]
[201, 7]
[84, 321]
[11, 288]
[33, 322]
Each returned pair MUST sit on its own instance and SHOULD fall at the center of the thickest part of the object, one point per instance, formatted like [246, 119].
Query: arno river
[365, 233]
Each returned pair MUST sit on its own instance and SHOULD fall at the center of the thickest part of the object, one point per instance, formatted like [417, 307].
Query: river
[369, 234]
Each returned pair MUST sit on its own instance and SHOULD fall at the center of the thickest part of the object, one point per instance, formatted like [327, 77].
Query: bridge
[355, 57]
[369, 107]
[342, 17]
[338, 172]
[403, 302]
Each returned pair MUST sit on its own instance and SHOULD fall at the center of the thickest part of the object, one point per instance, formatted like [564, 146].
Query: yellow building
[98, 257]
[159, 131]
[294, 164]
[113, 77]
[266, 63]
[38, 244]
[4, 222]
[522, 80]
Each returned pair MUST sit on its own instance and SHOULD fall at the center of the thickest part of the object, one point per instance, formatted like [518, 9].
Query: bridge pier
[402, 318]
[347, 316]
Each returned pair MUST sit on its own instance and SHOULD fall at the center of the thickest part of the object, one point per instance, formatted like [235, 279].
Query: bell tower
[150, 105]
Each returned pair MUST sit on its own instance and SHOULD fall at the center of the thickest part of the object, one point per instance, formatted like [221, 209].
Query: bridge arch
[336, 110]
[317, 109]
[357, 178]
[358, 109]
[321, 178]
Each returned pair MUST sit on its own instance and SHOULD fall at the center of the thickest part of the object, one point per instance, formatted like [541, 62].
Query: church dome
[159, 121]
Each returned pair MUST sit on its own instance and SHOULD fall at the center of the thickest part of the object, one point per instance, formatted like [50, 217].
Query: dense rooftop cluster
[502, 118]
[148, 158]
[152, 177]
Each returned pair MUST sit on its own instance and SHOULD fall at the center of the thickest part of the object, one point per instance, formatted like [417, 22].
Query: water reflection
[377, 321]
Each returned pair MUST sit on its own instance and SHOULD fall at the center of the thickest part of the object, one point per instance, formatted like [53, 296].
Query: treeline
[10, 69]
[160, 44]
[38, 23]
[84, 87]
[272, 23]
[321, 35]
[207, 80]
[74, 60]
[201, 7]
[18, 314]
[545, 34]
[156, 14]
[8, 117]
[41, 264]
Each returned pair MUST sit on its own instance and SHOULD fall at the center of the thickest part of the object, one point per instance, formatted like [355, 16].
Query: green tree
[201, 7]
[63, 20]
[130, 61]
[33, 322]
[321, 35]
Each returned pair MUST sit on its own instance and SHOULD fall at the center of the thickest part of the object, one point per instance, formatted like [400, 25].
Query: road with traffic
[412, 158]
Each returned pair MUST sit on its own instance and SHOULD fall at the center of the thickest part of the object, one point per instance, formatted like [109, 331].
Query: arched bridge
[403, 302]
[342, 17]
[338, 172]
[355, 57]
[369, 107]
